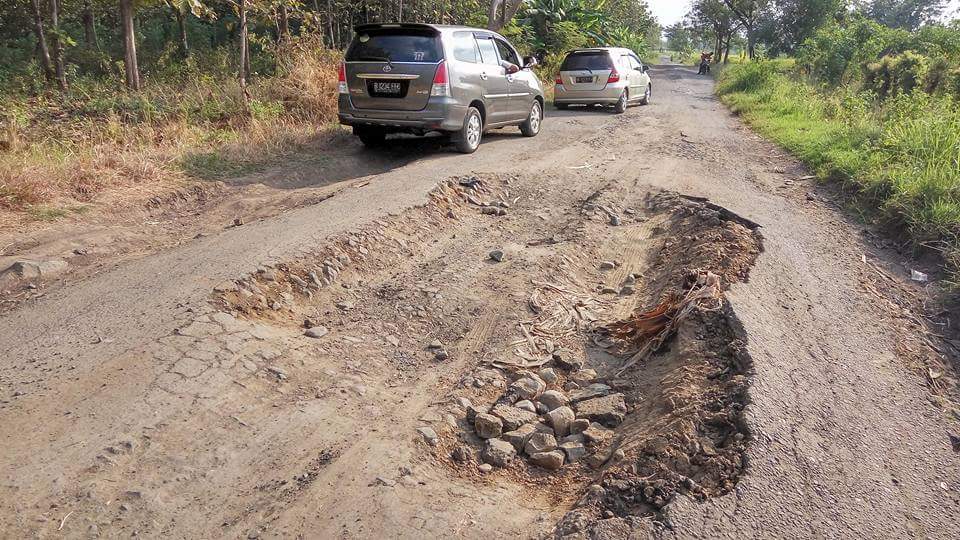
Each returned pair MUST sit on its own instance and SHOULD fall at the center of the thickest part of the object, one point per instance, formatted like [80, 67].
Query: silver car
[602, 76]
[420, 78]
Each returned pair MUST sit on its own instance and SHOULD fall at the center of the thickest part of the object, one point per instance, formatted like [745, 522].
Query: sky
[671, 11]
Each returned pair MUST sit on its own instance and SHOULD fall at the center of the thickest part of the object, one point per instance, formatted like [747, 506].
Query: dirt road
[178, 396]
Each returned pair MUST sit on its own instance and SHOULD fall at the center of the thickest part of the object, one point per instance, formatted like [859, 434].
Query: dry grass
[101, 146]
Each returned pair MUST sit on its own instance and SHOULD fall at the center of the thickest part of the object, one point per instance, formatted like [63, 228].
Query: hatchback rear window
[395, 46]
[587, 60]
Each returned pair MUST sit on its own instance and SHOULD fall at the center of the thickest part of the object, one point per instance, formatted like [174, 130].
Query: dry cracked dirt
[632, 326]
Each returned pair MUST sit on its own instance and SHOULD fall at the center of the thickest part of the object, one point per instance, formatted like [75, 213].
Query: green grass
[901, 155]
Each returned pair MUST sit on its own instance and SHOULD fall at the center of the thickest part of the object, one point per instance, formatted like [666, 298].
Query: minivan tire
[467, 140]
[531, 127]
[371, 137]
[621, 106]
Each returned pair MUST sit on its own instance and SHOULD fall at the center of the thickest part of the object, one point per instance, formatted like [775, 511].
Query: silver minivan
[421, 78]
[602, 76]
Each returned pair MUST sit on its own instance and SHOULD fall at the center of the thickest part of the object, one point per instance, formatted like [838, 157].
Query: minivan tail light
[342, 79]
[441, 83]
[614, 76]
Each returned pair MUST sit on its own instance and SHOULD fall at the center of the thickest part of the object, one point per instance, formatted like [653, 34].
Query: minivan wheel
[468, 138]
[531, 127]
[621, 106]
[371, 137]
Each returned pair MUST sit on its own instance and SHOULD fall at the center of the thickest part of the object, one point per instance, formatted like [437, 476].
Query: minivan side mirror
[529, 62]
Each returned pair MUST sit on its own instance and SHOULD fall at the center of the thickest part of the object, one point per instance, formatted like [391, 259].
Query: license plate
[387, 88]
[584, 79]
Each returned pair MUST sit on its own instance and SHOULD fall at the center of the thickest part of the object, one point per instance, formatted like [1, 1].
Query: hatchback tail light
[614, 76]
[441, 83]
[342, 79]
[558, 80]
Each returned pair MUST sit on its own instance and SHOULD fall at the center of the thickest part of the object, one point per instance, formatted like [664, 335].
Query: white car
[602, 76]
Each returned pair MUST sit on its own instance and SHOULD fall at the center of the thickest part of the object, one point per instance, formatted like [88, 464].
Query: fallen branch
[649, 330]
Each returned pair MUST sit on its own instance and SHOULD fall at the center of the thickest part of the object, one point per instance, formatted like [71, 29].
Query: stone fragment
[463, 403]
[35, 269]
[583, 377]
[526, 405]
[473, 411]
[608, 265]
[579, 425]
[561, 418]
[574, 451]
[553, 399]
[488, 426]
[540, 442]
[551, 461]
[513, 417]
[597, 434]
[496, 255]
[485, 468]
[519, 437]
[498, 452]
[565, 359]
[548, 375]
[462, 454]
[429, 435]
[529, 387]
[608, 410]
[592, 391]
[317, 332]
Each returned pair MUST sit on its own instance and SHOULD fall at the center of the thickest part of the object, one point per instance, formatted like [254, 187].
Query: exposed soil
[305, 375]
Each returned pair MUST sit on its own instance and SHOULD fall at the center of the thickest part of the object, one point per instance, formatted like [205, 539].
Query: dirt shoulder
[179, 394]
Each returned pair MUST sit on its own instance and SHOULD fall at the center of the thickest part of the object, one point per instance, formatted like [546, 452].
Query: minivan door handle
[483, 76]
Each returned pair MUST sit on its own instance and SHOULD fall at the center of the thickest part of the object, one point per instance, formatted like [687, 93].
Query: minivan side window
[506, 52]
[465, 47]
[488, 52]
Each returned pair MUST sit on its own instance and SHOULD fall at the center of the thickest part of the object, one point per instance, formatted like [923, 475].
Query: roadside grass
[901, 157]
[97, 145]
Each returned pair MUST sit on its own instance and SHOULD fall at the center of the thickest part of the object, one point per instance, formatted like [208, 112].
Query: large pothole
[600, 358]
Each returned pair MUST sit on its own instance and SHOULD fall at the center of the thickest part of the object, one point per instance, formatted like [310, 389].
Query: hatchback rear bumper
[609, 95]
[441, 114]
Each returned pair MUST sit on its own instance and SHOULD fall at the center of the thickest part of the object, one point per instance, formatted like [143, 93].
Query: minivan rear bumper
[441, 114]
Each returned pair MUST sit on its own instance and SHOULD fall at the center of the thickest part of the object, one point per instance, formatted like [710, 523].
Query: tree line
[782, 26]
[65, 38]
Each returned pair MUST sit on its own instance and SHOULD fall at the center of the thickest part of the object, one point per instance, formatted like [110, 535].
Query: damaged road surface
[579, 337]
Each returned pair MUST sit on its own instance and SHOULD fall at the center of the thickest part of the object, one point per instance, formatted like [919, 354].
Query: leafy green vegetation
[900, 152]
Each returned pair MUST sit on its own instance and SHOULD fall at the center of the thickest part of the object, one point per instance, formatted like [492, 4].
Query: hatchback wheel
[531, 127]
[621, 106]
[468, 138]
[647, 95]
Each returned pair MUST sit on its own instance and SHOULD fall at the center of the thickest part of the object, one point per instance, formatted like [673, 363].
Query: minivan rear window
[395, 45]
[587, 60]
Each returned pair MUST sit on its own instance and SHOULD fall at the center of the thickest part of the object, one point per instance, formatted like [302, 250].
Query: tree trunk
[182, 27]
[131, 71]
[510, 8]
[57, 44]
[244, 51]
[333, 39]
[726, 51]
[89, 26]
[283, 23]
[751, 42]
[42, 51]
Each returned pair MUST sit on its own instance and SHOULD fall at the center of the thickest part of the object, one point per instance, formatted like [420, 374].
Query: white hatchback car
[602, 76]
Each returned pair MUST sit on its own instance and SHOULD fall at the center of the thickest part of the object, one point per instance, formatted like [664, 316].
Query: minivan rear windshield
[395, 45]
[587, 60]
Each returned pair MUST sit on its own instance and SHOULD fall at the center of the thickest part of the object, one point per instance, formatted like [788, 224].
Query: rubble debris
[496, 255]
[499, 453]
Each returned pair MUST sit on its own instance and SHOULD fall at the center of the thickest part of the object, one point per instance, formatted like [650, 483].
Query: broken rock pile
[548, 424]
